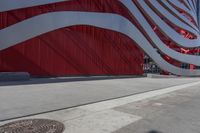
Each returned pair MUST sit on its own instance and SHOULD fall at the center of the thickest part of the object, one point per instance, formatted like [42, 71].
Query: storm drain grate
[33, 126]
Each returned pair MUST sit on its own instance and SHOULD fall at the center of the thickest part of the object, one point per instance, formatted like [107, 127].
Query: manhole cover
[33, 126]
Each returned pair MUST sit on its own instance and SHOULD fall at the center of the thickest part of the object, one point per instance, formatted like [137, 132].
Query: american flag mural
[98, 37]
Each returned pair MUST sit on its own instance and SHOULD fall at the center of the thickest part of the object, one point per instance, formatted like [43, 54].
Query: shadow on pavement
[64, 79]
[154, 131]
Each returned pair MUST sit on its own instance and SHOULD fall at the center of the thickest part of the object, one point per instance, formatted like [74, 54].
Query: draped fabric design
[99, 37]
[75, 50]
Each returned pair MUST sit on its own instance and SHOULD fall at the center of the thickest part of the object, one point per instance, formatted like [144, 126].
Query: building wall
[98, 37]
[75, 50]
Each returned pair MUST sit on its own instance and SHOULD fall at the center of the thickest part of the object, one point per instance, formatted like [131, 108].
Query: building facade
[99, 37]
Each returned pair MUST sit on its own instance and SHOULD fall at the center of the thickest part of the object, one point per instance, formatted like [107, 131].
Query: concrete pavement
[177, 112]
[173, 109]
[23, 100]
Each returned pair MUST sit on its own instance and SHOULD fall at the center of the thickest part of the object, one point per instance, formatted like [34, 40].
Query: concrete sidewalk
[176, 112]
[172, 109]
[23, 100]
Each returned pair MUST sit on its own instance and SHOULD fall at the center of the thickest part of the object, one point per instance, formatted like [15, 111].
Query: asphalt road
[28, 99]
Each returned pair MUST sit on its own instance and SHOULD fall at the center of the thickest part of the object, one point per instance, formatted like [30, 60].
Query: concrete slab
[100, 122]
[137, 113]
[24, 100]
[161, 76]
[177, 112]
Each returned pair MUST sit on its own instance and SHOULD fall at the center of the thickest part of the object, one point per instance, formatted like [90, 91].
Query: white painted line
[138, 97]
[101, 117]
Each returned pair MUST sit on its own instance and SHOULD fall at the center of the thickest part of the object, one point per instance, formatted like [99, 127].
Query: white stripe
[190, 5]
[41, 24]
[191, 59]
[138, 97]
[7, 5]
[172, 9]
[165, 28]
[172, 18]
[183, 7]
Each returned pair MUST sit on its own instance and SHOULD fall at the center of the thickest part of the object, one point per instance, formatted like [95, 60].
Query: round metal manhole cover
[33, 126]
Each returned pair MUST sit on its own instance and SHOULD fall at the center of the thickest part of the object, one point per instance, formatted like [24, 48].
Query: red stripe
[76, 50]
